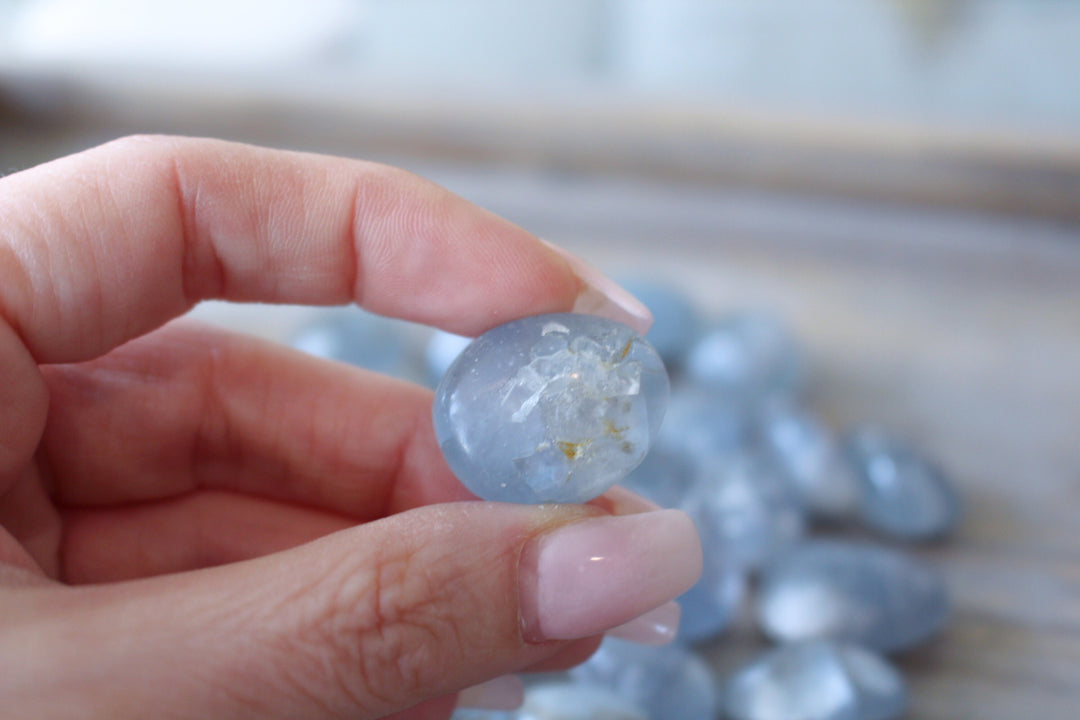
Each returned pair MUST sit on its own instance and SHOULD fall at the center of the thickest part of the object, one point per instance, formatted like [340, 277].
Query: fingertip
[571, 655]
[602, 296]
[657, 627]
[506, 692]
[621, 501]
[591, 576]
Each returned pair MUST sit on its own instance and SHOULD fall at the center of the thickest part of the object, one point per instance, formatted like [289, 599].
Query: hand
[195, 524]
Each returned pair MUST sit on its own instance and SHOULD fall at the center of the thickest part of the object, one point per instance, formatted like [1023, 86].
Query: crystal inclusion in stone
[550, 408]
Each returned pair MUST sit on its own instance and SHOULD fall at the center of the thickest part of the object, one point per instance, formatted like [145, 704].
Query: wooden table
[959, 330]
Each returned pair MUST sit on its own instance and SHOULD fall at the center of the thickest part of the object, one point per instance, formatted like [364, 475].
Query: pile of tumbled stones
[757, 470]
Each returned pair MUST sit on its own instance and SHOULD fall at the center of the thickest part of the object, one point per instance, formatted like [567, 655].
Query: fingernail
[502, 693]
[620, 501]
[656, 627]
[593, 575]
[600, 295]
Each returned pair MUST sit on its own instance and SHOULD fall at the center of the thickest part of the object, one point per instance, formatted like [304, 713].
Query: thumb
[360, 624]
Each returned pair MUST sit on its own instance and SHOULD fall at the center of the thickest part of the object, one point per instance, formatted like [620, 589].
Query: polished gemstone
[702, 423]
[860, 592]
[572, 701]
[810, 456]
[903, 494]
[668, 479]
[441, 351]
[817, 680]
[664, 477]
[550, 408]
[668, 682]
[744, 509]
[359, 338]
[749, 354]
[712, 604]
[676, 322]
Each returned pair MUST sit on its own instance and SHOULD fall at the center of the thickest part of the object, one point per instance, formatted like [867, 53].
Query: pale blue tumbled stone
[676, 322]
[550, 408]
[351, 335]
[702, 423]
[817, 680]
[744, 508]
[572, 701]
[667, 478]
[902, 494]
[808, 453]
[663, 476]
[712, 604]
[441, 351]
[745, 513]
[856, 591]
[668, 682]
[748, 354]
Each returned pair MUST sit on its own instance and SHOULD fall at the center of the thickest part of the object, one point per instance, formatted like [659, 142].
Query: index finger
[100, 247]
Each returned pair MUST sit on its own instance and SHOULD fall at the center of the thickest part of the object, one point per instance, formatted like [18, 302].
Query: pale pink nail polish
[600, 295]
[656, 627]
[503, 693]
[593, 575]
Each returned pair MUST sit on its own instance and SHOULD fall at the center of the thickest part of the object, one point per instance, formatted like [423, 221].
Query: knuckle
[376, 635]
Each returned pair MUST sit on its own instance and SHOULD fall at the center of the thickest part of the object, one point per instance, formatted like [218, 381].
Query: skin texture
[195, 524]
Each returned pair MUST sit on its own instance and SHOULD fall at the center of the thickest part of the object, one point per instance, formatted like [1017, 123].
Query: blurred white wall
[997, 62]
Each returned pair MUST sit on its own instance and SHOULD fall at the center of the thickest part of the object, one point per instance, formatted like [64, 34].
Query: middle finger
[191, 407]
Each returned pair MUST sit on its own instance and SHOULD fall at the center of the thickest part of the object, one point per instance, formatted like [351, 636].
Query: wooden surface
[961, 331]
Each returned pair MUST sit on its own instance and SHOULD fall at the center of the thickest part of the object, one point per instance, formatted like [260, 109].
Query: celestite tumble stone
[903, 495]
[745, 513]
[817, 680]
[676, 322]
[550, 408]
[748, 354]
[860, 592]
[568, 701]
[708, 608]
[668, 682]
[744, 508]
[812, 459]
[702, 423]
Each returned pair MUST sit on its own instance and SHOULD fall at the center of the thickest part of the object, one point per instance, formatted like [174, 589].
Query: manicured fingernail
[620, 501]
[656, 627]
[588, 577]
[502, 693]
[600, 295]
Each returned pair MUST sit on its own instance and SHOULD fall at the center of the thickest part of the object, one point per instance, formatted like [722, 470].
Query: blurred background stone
[902, 494]
[668, 682]
[858, 592]
[817, 680]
